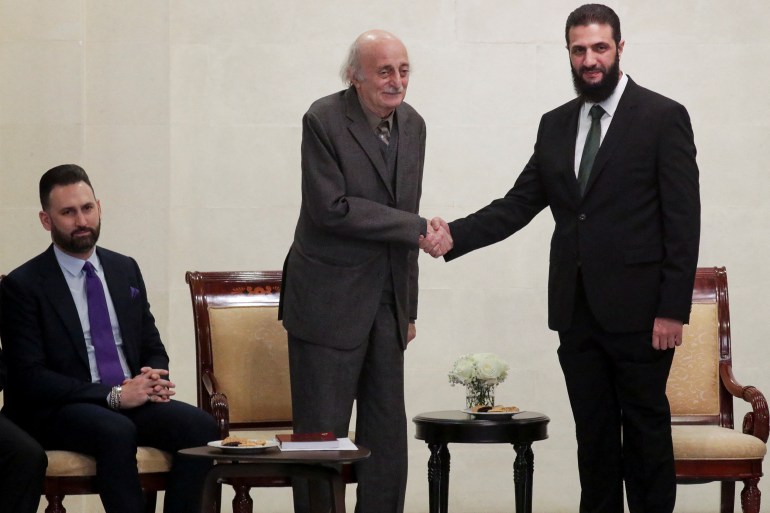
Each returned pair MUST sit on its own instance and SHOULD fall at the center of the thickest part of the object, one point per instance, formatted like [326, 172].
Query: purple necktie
[105, 350]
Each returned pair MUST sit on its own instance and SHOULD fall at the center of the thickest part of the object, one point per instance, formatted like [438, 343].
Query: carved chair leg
[242, 502]
[55, 504]
[727, 497]
[750, 496]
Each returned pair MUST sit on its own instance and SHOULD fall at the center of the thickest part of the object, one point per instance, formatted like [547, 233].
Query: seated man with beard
[87, 369]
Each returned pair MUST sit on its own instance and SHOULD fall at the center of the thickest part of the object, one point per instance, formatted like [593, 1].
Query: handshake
[438, 240]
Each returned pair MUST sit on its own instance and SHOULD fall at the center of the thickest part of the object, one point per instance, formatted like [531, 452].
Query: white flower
[491, 368]
[477, 369]
[464, 370]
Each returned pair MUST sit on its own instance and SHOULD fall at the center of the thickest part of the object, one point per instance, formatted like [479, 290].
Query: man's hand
[438, 240]
[666, 333]
[149, 385]
[411, 332]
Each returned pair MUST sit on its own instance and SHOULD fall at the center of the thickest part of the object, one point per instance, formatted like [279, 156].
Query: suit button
[582, 217]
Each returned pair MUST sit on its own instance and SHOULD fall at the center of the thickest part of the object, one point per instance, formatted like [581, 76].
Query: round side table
[439, 428]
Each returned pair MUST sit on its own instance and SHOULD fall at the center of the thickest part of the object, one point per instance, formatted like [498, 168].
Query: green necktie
[591, 147]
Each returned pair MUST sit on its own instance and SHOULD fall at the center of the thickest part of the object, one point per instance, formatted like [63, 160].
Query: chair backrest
[241, 346]
[695, 391]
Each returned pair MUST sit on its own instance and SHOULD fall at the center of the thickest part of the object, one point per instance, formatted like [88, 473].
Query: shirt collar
[373, 119]
[73, 265]
[611, 103]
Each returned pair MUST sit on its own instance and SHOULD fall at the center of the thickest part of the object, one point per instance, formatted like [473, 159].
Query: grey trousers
[326, 381]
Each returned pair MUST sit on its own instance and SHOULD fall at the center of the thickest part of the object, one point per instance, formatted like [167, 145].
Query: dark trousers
[324, 384]
[22, 469]
[112, 438]
[617, 389]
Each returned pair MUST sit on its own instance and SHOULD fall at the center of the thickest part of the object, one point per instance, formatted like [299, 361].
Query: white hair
[351, 68]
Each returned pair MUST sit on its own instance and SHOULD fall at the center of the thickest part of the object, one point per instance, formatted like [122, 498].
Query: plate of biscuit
[236, 444]
[492, 412]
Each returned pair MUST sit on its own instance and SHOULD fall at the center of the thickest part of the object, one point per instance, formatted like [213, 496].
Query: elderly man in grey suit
[349, 300]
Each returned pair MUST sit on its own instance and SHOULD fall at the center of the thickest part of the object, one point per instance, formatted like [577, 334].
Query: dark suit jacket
[634, 234]
[3, 371]
[354, 230]
[44, 342]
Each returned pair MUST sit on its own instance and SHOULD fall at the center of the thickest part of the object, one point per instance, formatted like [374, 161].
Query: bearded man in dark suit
[623, 258]
[349, 300]
[62, 386]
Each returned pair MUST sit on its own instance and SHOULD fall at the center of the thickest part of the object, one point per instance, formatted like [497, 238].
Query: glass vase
[479, 394]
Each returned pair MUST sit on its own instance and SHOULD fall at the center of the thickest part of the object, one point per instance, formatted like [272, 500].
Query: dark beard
[77, 246]
[600, 91]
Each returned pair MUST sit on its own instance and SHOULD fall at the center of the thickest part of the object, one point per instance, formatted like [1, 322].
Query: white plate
[491, 415]
[243, 450]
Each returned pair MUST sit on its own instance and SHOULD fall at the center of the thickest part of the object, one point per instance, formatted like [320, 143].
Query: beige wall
[186, 113]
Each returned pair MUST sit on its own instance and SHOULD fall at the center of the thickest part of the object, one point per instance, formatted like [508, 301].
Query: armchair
[242, 362]
[701, 388]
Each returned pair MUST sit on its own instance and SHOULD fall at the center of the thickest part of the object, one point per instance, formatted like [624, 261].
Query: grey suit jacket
[44, 343]
[354, 230]
[634, 235]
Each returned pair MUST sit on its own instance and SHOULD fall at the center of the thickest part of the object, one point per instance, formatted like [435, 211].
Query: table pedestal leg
[438, 478]
[523, 469]
[242, 502]
[332, 476]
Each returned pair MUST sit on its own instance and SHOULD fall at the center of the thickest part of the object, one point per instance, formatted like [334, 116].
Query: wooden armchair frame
[249, 291]
[696, 464]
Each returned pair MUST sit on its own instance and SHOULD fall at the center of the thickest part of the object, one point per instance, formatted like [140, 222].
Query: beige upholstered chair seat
[715, 443]
[71, 464]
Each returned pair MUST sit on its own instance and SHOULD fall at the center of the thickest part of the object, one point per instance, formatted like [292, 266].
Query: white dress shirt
[76, 280]
[584, 119]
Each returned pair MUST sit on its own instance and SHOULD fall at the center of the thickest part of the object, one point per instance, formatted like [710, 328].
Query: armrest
[221, 412]
[209, 381]
[220, 408]
[757, 421]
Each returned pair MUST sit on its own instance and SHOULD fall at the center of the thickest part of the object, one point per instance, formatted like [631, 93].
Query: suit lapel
[622, 120]
[57, 291]
[362, 133]
[403, 152]
[567, 141]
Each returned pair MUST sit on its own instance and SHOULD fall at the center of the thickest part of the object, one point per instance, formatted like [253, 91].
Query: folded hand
[150, 385]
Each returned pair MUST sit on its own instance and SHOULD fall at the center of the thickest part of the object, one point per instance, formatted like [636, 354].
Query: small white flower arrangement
[478, 369]
[480, 373]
